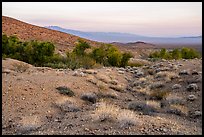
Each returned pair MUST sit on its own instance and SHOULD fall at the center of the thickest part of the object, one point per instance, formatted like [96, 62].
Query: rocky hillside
[28, 32]
[163, 97]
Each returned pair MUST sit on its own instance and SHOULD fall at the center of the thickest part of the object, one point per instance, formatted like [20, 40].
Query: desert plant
[158, 94]
[91, 97]
[142, 107]
[65, 90]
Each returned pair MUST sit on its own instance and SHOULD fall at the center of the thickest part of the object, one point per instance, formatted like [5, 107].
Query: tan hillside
[27, 32]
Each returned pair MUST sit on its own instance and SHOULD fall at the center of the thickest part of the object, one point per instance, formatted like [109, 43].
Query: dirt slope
[31, 104]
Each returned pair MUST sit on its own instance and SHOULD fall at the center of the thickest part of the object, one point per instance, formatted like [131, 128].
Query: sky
[159, 19]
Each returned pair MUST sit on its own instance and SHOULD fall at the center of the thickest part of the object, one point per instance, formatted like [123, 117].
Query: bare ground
[31, 104]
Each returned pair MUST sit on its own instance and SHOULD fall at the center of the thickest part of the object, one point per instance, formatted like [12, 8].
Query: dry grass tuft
[178, 110]
[159, 94]
[106, 112]
[109, 112]
[166, 75]
[154, 104]
[127, 118]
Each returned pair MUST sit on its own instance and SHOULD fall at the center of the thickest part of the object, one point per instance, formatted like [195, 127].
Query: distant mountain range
[110, 37]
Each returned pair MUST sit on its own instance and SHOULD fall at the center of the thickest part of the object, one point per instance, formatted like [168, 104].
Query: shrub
[109, 55]
[80, 48]
[185, 53]
[65, 90]
[142, 107]
[89, 97]
[158, 94]
[106, 112]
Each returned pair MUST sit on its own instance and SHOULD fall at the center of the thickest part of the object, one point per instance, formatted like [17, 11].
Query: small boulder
[176, 86]
[192, 87]
[184, 72]
[191, 97]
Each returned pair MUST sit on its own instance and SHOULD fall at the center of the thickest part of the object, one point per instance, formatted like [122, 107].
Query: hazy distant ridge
[126, 37]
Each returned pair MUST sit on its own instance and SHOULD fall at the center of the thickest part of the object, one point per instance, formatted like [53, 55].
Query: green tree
[80, 48]
[125, 59]
[176, 54]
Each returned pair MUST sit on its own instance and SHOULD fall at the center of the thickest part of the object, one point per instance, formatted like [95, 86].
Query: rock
[184, 72]
[192, 87]
[194, 72]
[90, 71]
[191, 97]
[176, 86]
[119, 88]
[7, 71]
[121, 69]
[82, 74]
[91, 97]
[114, 82]
[75, 73]
[121, 72]
[196, 114]
[139, 74]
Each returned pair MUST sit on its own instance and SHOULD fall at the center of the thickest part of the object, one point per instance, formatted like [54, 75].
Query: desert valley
[146, 97]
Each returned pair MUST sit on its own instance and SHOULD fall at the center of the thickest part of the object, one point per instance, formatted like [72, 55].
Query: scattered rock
[7, 71]
[114, 82]
[195, 114]
[192, 87]
[176, 86]
[194, 72]
[191, 97]
[184, 72]
[121, 72]
[90, 71]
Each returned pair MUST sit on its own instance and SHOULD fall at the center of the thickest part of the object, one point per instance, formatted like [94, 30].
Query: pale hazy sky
[142, 18]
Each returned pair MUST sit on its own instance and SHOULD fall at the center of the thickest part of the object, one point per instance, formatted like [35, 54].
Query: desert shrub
[33, 52]
[125, 59]
[185, 53]
[142, 107]
[158, 94]
[80, 48]
[177, 110]
[109, 55]
[20, 67]
[65, 90]
[176, 54]
[42, 54]
[134, 64]
[89, 97]
[106, 112]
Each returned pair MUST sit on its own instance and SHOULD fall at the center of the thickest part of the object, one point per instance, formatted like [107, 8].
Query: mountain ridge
[128, 37]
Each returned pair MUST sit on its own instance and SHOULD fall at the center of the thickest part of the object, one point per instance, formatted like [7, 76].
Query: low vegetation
[183, 53]
[42, 54]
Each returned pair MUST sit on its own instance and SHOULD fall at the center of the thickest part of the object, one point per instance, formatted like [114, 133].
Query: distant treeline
[183, 53]
[83, 55]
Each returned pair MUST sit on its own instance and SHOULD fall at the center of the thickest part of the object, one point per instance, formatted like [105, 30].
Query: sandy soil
[31, 104]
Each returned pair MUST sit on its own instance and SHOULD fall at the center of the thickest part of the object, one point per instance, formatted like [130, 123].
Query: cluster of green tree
[42, 54]
[183, 53]
[33, 52]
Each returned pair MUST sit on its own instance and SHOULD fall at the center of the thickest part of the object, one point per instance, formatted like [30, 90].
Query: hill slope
[27, 32]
